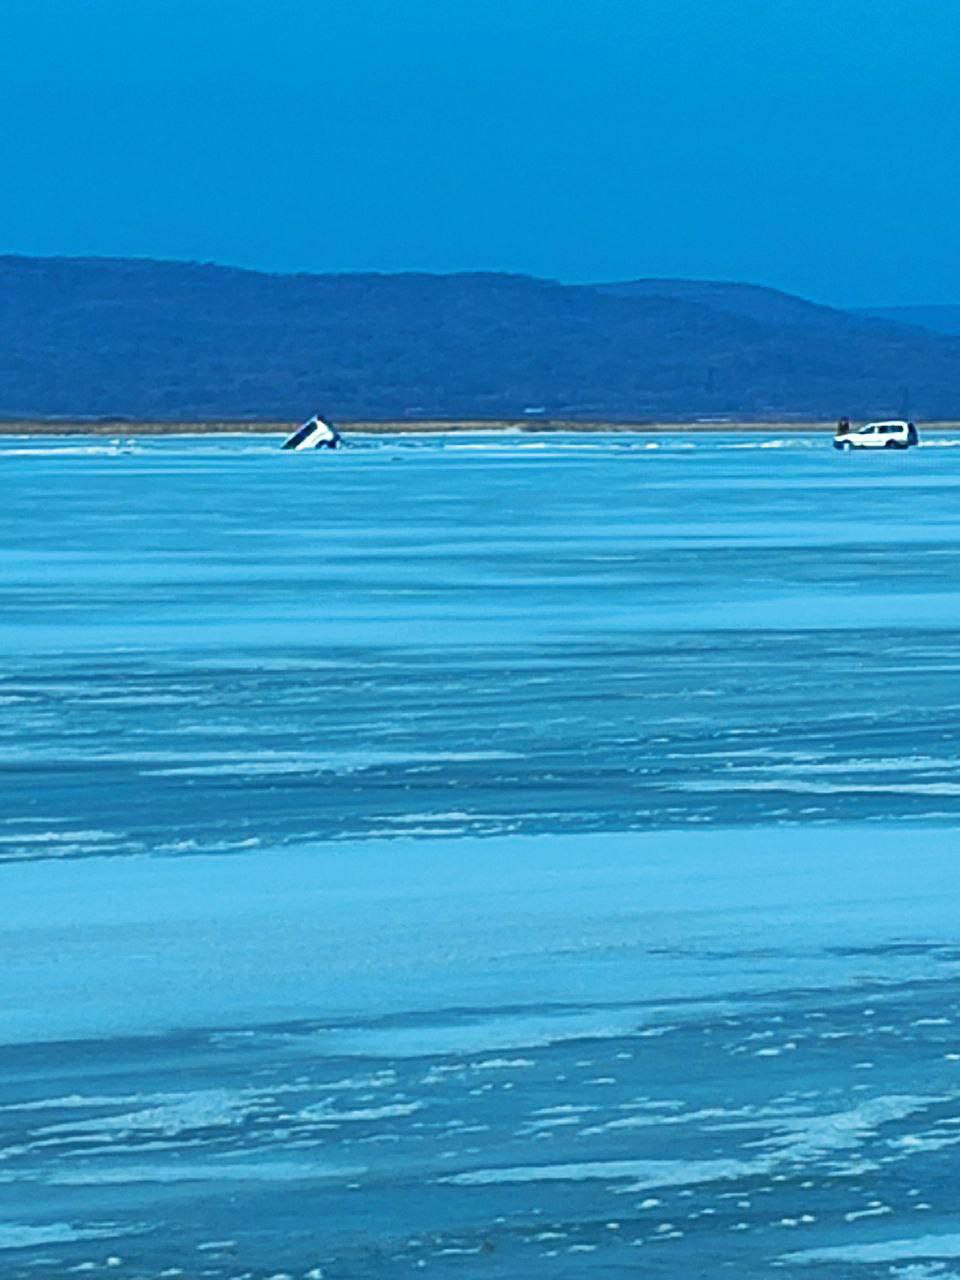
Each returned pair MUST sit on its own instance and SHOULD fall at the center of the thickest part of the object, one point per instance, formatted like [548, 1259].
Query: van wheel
[891, 444]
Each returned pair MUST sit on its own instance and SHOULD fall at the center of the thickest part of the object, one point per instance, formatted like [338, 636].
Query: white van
[877, 435]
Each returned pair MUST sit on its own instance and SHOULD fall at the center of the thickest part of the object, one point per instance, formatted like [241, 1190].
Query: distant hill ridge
[172, 340]
[938, 319]
[756, 302]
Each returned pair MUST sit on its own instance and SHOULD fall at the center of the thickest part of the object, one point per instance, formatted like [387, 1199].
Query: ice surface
[500, 856]
[926, 1246]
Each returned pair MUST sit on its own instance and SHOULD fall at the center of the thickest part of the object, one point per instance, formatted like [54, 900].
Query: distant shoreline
[37, 427]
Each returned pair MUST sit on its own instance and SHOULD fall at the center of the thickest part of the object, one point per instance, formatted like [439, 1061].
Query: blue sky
[807, 144]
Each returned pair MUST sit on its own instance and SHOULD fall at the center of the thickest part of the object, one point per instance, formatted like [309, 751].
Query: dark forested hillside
[105, 337]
